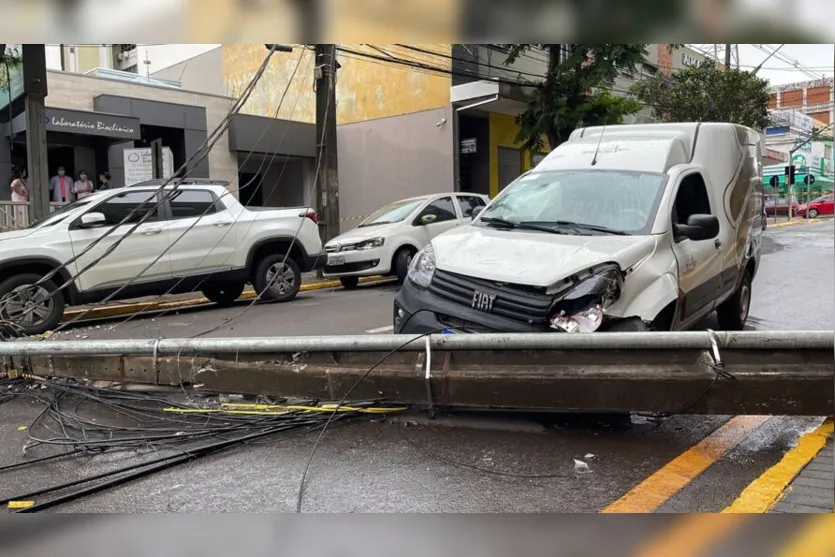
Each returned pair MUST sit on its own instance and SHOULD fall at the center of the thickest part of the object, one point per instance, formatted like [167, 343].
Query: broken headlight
[581, 309]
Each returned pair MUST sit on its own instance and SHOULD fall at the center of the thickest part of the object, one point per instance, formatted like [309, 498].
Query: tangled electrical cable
[85, 420]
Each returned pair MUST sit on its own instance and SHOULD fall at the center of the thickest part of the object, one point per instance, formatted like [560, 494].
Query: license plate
[334, 260]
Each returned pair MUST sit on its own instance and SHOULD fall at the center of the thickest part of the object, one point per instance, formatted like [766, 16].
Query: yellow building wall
[366, 89]
[503, 131]
[88, 57]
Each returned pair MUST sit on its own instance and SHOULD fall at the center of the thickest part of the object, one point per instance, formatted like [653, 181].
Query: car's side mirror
[699, 227]
[92, 220]
[427, 219]
[477, 211]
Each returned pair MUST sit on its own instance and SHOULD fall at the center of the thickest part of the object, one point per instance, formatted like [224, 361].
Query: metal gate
[510, 166]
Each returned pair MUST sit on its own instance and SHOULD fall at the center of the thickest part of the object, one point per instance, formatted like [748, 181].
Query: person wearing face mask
[83, 187]
[61, 186]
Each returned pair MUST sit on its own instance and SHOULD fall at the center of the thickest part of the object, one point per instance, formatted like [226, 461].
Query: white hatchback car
[385, 242]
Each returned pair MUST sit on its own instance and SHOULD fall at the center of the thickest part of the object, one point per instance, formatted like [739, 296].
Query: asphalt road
[460, 463]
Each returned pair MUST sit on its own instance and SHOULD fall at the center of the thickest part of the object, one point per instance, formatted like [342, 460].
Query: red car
[780, 207]
[824, 205]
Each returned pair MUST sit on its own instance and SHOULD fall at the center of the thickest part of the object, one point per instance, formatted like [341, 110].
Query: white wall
[162, 56]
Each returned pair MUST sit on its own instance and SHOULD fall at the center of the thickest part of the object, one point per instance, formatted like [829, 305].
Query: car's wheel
[223, 293]
[402, 260]
[631, 325]
[277, 278]
[813, 213]
[349, 283]
[29, 307]
[733, 313]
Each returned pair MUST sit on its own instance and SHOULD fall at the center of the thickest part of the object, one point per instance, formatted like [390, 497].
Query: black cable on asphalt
[191, 227]
[300, 495]
[199, 155]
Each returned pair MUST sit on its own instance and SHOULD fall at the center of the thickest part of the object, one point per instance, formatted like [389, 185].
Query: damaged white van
[621, 228]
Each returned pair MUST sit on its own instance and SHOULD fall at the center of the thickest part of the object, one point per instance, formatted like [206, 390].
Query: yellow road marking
[691, 536]
[764, 492]
[816, 539]
[651, 493]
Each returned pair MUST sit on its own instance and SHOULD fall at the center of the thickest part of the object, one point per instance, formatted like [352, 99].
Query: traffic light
[790, 174]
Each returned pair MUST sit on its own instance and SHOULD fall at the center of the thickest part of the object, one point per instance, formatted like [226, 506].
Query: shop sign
[469, 146]
[139, 165]
[90, 123]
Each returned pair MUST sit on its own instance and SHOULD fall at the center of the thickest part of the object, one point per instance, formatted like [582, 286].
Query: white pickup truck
[200, 238]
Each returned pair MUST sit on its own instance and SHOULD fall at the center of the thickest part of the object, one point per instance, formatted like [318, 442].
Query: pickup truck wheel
[223, 293]
[401, 264]
[349, 283]
[277, 278]
[31, 307]
[733, 313]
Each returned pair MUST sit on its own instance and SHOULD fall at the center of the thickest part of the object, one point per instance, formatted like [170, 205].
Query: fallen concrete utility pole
[751, 372]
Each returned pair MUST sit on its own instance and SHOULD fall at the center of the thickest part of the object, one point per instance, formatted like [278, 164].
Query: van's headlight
[581, 309]
[371, 244]
[422, 268]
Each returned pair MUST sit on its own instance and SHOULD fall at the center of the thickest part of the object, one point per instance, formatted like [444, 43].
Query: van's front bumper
[417, 311]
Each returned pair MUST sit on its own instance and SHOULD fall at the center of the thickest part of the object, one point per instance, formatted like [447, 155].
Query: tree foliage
[573, 92]
[707, 94]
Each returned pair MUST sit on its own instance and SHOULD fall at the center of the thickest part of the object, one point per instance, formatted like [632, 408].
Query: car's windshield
[615, 200]
[60, 213]
[393, 212]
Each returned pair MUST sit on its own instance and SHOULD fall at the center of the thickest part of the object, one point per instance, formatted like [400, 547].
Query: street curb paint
[764, 492]
[816, 537]
[142, 307]
[658, 488]
[794, 223]
[691, 536]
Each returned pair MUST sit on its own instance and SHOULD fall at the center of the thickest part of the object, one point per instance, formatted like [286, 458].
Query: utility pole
[327, 162]
[157, 159]
[35, 91]
[727, 57]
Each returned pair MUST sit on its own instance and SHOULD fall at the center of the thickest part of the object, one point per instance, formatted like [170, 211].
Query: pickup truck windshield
[613, 201]
[393, 212]
[60, 213]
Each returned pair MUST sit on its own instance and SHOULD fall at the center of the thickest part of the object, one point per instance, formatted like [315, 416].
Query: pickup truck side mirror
[477, 211]
[427, 219]
[699, 227]
[92, 220]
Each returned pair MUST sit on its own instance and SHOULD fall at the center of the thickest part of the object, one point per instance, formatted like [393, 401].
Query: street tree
[574, 91]
[707, 93]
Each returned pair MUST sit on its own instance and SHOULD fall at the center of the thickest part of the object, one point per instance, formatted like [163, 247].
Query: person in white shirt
[61, 186]
[83, 187]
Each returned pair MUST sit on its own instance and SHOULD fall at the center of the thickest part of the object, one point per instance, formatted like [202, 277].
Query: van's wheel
[30, 308]
[813, 213]
[277, 278]
[349, 283]
[223, 293]
[631, 325]
[402, 260]
[733, 313]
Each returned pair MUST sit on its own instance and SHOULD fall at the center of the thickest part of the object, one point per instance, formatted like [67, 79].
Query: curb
[794, 223]
[143, 307]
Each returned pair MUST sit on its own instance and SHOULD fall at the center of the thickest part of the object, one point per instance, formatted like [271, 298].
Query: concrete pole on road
[35, 91]
[327, 162]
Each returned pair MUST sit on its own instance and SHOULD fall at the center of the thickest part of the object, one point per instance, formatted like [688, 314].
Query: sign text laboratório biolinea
[98, 125]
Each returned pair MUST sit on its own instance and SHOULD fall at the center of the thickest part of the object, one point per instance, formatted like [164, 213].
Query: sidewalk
[813, 490]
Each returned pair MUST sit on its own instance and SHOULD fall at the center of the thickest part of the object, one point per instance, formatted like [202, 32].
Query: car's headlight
[581, 309]
[371, 244]
[422, 268]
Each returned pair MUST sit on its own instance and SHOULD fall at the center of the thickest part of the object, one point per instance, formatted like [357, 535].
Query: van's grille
[520, 303]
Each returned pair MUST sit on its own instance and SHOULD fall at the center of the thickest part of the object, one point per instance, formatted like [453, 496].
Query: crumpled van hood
[533, 258]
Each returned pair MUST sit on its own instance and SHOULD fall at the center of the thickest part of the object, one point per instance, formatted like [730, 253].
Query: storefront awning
[490, 96]
[80, 122]
[259, 134]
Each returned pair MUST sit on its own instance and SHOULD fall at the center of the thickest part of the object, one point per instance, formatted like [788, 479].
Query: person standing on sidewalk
[83, 187]
[20, 194]
[61, 186]
[104, 181]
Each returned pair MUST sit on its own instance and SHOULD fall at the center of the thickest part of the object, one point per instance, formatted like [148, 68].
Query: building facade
[815, 98]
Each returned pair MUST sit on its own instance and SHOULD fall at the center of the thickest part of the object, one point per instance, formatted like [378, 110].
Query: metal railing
[15, 214]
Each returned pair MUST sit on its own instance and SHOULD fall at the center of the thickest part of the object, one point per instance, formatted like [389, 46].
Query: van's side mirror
[92, 220]
[427, 219]
[477, 211]
[699, 227]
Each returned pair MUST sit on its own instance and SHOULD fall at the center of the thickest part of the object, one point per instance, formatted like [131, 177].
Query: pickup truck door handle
[220, 224]
[717, 243]
[151, 232]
